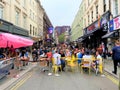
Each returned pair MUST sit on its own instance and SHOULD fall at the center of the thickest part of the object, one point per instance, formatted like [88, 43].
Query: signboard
[50, 30]
[92, 27]
[111, 25]
[114, 24]
[102, 23]
[117, 23]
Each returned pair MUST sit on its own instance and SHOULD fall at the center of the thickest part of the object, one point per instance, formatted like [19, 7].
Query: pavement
[108, 67]
[17, 74]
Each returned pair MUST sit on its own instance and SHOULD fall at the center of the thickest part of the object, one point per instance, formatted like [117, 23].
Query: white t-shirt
[87, 56]
[57, 57]
[99, 58]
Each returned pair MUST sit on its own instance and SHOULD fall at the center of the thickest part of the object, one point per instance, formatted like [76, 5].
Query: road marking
[21, 82]
[114, 80]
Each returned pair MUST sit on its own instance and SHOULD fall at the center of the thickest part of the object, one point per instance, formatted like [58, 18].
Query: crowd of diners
[58, 52]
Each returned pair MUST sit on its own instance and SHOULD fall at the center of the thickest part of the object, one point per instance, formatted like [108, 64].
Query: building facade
[60, 30]
[95, 17]
[77, 25]
[47, 36]
[25, 15]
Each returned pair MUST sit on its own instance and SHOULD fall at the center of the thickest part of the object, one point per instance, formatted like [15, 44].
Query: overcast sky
[61, 12]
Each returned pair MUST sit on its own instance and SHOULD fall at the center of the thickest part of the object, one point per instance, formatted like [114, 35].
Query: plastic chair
[100, 65]
[55, 66]
[72, 62]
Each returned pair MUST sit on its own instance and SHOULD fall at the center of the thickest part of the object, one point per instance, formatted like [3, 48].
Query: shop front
[7, 27]
[94, 32]
[113, 32]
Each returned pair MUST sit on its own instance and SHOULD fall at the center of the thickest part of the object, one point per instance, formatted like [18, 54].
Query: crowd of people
[59, 53]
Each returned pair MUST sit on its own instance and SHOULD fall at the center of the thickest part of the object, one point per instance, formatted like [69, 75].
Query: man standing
[116, 55]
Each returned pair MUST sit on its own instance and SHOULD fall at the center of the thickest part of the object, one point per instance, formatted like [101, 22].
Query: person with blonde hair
[116, 55]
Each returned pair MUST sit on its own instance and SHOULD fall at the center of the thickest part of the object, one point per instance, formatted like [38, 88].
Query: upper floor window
[104, 5]
[30, 13]
[30, 29]
[96, 11]
[88, 19]
[1, 12]
[116, 7]
[92, 16]
[17, 16]
[24, 21]
[33, 31]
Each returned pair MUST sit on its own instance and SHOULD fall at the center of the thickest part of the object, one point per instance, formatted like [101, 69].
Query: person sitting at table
[24, 57]
[87, 55]
[67, 53]
[35, 55]
[79, 56]
[62, 59]
[97, 62]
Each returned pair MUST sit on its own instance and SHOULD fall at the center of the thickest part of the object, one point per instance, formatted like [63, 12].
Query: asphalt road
[37, 80]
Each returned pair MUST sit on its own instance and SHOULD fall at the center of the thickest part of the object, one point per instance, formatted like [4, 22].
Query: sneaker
[49, 74]
[57, 75]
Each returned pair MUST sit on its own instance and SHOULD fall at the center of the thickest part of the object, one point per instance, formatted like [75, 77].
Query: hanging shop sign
[101, 23]
[114, 24]
[50, 30]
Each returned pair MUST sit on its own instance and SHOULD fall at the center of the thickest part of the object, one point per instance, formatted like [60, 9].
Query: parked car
[5, 67]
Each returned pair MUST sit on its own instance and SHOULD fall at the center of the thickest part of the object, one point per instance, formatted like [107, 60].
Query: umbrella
[7, 40]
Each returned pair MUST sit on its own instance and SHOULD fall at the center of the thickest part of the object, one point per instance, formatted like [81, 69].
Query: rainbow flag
[99, 20]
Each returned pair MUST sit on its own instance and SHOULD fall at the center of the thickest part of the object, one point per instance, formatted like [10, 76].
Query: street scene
[59, 45]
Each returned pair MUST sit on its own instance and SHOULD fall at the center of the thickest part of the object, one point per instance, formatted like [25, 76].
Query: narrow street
[37, 80]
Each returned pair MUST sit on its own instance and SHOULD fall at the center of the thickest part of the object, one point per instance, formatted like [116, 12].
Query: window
[104, 5]
[92, 16]
[33, 16]
[1, 12]
[24, 21]
[30, 29]
[30, 13]
[96, 11]
[17, 18]
[85, 23]
[33, 31]
[88, 19]
[116, 7]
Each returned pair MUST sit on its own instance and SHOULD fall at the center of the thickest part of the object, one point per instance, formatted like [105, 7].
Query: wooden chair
[86, 63]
